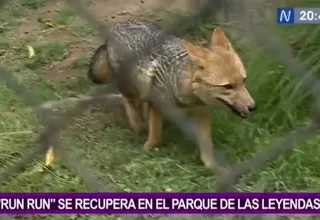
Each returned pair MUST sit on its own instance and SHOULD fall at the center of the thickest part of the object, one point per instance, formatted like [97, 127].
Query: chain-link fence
[251, 17]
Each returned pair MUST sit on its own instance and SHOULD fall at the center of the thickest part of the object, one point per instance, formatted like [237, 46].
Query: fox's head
[218, 74]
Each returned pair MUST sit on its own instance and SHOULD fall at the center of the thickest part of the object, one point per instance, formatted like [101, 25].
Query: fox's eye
[201, 67]
[228, 86]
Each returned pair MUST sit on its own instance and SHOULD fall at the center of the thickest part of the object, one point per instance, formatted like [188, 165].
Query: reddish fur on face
[218, 73]
[218, 65]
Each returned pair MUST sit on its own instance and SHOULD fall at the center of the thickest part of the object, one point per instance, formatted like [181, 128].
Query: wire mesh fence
[249, 16]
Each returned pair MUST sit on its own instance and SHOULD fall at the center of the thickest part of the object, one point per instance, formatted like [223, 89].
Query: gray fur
[161, 69]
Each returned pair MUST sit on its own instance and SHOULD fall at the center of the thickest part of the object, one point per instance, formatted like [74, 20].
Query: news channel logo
[298, 15]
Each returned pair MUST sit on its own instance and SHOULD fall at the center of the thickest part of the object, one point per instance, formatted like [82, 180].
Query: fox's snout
[238, 100]
[241, 101]
[252, 107]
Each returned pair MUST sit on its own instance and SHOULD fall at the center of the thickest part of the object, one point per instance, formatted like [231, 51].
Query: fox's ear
[219, 39]
[193, 50]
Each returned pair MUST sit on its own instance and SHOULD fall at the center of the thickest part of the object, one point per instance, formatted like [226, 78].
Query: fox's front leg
[155, 125]
[134, 113]
[203, 121]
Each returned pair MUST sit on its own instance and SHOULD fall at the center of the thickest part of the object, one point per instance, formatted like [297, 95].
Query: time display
[307, 15]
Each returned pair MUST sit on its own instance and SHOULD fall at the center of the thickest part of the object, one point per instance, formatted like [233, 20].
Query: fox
[189, 76]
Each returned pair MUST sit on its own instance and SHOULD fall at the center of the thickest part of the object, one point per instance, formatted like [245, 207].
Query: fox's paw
[150, 144]
[209, 162]
[49, 157]
[210, 165]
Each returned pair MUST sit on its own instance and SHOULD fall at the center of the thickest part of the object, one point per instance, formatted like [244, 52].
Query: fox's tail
[100, 70]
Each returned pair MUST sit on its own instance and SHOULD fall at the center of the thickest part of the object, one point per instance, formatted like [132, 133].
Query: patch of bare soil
[107, 10]
[62, 71]
[31, 26]
[115, 10]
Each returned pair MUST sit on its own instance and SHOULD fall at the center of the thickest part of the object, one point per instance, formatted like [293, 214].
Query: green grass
[32, 4]
[63, 15]
[115, 153]
[46, 53]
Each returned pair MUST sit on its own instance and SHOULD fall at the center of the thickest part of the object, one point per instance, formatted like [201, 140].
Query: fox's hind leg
[134, 110]
[155, 120]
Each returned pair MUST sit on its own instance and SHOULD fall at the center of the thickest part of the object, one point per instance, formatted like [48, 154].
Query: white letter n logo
[285, 16]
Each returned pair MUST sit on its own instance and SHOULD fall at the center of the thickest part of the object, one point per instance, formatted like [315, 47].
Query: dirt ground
[115, 10]
[108, 10]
